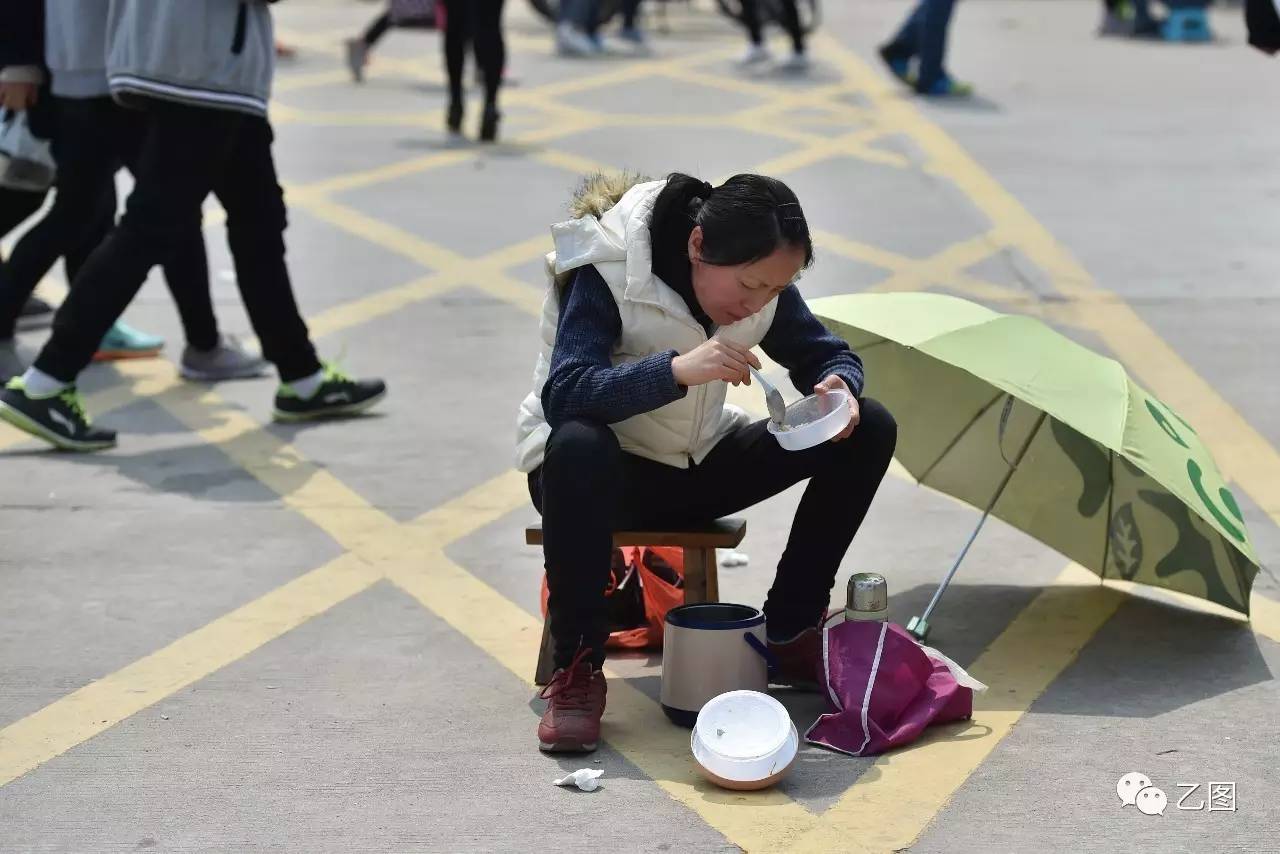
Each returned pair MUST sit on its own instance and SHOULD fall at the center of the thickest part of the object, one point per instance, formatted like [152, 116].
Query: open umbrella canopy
[1001, 411]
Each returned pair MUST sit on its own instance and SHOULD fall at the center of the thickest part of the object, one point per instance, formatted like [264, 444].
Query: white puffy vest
[654, 319]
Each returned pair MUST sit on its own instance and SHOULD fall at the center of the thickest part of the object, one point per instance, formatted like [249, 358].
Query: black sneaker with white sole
[337, 396]
[57, 418]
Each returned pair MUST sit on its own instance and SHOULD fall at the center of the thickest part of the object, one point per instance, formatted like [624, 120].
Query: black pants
[93, 138]
[377, 29]
[587, 487]
[477, 23]
[790, 22]
[186, 153]
[630, 14]
[16, 206]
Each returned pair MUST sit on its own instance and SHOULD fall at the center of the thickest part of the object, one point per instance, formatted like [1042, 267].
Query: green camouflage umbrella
[1007, 415]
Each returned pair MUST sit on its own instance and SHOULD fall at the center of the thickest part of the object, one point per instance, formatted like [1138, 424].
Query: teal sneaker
[338, 395]
[124, 342]
[57, 418]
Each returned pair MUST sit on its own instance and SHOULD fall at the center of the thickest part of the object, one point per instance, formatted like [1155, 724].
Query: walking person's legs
[457, 37]
[247, 186]
[573, 25]
[182, 151]
[88, 147]
[15, 207]
[187, 152]
[934, 24]
[923, 36]
[86, 169]
[256, 219]
[630, 14]
[359, 47]
[799, 60]
[791, 23]
[631, 31]
[121, 341]
[208, 355]
[904, 47]
[377, 29]
[491, 56]
[757, 51]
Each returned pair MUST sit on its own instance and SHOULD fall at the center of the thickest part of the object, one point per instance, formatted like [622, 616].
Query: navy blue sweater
[584, 384]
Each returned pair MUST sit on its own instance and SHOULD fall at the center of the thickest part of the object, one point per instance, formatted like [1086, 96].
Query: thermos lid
[868, 591]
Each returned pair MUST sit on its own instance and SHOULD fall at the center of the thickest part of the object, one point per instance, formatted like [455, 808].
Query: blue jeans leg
[906, 43]
[935, 18]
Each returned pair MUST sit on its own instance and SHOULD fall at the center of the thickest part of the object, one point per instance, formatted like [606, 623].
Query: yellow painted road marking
[100, 705]
[904, 790]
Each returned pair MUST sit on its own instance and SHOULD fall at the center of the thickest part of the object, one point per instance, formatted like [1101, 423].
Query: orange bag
[645, 582]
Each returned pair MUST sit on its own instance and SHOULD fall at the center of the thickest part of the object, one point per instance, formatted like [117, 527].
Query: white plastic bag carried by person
[25, 160]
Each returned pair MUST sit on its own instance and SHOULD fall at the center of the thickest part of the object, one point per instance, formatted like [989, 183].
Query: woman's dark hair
[743, 220]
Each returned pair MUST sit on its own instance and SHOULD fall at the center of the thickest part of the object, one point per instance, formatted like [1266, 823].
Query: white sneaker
[796, 63]
[755, 54]
[570, 41]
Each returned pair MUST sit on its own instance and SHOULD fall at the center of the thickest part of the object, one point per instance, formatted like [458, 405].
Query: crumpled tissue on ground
[586, 779]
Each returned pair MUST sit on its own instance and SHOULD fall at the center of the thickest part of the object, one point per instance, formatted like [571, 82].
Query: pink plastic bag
[885, 689]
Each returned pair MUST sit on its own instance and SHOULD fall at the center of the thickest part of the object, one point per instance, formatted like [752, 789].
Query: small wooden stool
[700, 581]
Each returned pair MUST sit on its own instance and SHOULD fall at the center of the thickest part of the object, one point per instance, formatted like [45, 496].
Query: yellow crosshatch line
[901, 793]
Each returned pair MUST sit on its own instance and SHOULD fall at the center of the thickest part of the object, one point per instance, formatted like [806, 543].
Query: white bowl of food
[816, 419]
[744, 740]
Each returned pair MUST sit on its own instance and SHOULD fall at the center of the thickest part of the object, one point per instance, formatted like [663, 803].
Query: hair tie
[701, 192]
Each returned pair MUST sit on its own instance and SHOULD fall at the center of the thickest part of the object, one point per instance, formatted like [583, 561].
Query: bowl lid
[743, 725]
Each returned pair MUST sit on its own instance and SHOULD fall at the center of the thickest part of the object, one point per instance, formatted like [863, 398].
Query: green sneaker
[338, 395]
[58, 418]
[124, 342]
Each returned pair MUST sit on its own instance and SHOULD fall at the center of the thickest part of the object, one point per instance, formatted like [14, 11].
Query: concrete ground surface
[230, 635]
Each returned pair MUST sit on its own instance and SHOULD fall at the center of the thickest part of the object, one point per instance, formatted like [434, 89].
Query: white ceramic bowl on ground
[816, 419]
[744, 740]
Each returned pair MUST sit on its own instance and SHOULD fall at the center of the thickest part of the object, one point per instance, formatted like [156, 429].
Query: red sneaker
[799, 661]
[575, 703]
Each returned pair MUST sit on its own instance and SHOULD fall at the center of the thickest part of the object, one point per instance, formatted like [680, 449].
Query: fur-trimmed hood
[611, 216]
[598, 192]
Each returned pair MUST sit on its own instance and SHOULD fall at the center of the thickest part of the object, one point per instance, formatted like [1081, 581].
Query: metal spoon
[772, 398]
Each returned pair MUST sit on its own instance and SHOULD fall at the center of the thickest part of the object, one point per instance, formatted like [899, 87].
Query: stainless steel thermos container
[868, 597]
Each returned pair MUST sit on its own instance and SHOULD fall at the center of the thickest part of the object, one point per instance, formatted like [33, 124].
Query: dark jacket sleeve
[800, 343]
[22, 33]
[583, 383]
